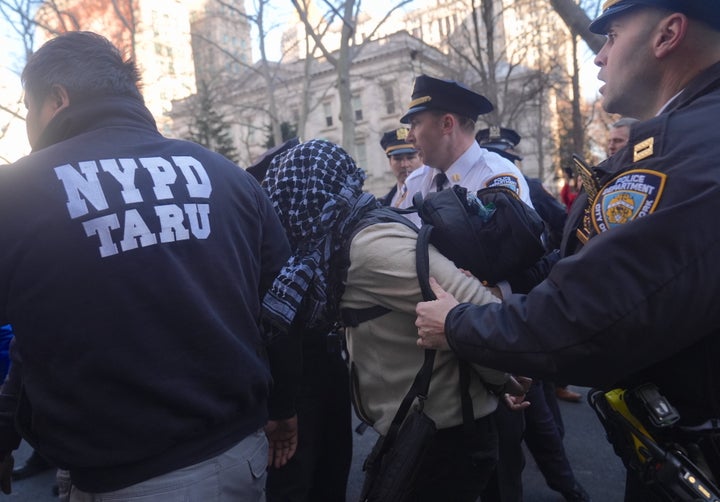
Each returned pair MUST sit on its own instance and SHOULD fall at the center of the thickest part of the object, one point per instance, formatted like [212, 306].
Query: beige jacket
[383, 351]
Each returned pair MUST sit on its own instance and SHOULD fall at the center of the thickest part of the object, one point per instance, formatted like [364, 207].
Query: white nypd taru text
[84, 189]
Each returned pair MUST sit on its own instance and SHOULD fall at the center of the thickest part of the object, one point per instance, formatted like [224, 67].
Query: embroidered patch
[505, 180]
[629, 196]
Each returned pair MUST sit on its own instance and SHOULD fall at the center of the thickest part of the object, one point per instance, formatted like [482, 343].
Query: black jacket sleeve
[628, 300]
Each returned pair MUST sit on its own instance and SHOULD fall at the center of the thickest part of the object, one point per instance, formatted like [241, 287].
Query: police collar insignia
[629, 196]
[643, 149]
[505, 180]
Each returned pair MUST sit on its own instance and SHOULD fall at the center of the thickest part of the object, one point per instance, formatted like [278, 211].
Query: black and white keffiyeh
[316, 190]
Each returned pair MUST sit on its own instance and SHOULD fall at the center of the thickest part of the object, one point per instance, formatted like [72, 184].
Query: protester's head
[316, 190]
[619, 134]
[653, 49]
[442, 117]
[313, 179]
[402, 155]
[70, 68]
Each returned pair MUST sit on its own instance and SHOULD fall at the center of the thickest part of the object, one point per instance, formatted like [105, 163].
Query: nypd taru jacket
[132, 271]
[640, 302]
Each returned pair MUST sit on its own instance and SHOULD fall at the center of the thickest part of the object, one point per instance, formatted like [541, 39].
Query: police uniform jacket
[383, 351]
[639, 302]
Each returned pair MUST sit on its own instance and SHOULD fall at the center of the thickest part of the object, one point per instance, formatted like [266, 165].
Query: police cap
[447, 96]
[499, 137]
[703, 10]
[395, 142]
[500, 140]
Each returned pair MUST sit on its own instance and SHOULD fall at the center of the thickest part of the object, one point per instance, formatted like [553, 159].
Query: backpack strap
[421, 384]
[353, 317]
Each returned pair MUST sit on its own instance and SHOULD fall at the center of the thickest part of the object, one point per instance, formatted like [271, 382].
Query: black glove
[525, 280]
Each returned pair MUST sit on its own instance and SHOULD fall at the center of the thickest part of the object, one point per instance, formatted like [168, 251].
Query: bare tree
[19, 15]
[517, 66]
[345, 12]
[578, 21]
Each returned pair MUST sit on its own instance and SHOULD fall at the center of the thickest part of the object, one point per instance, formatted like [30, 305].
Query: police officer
[637, 302]
[404, 159]
[619, 134]
[442, 116]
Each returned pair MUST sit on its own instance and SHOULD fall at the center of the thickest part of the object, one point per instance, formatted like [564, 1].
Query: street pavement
[595, 465]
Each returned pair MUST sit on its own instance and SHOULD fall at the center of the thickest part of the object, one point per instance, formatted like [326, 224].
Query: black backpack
[492, 233]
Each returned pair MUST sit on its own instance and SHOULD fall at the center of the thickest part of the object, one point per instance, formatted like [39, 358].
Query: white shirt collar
[461, 167]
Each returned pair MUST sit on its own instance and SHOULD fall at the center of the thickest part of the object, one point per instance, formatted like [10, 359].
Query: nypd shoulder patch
[505, 180]
[627, 197]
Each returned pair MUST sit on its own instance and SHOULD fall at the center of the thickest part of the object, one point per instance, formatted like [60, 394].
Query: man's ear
[673, 29]
[447, 122]
[59, 98]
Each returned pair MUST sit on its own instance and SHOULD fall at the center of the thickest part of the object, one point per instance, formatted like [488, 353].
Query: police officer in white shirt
[442, 117]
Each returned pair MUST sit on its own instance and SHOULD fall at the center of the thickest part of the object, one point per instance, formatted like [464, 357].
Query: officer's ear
[447, 122]
[671, 30]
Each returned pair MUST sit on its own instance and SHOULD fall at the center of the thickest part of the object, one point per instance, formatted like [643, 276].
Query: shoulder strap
[422, 264]
[421, 384]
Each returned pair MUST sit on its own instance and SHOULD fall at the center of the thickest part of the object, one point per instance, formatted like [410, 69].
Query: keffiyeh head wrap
[316, 190]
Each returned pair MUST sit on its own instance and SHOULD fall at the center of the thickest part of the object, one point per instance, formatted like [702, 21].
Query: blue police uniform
[651, 314]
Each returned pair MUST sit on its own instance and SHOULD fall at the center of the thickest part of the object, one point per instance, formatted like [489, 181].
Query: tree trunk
[347, 118]
[577, 21]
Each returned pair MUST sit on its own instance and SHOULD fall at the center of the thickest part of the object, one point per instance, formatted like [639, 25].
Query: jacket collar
[95, 113]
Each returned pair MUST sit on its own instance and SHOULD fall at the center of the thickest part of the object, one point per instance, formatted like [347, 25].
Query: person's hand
[518, 385]
[431, 318]
[515, 389]
[6, 468]
[282, 438]
[515, 403]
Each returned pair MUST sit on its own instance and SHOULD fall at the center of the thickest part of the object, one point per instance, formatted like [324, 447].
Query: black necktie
[440, 180]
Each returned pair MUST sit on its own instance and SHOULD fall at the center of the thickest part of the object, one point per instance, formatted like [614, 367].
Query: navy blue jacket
[132, 273]
[639, 302]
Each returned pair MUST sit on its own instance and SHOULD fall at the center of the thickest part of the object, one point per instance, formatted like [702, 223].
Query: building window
[389, 97]
[357, 107]
[327, 108]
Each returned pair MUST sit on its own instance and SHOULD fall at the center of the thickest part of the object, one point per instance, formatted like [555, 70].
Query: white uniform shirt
[475, 169]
